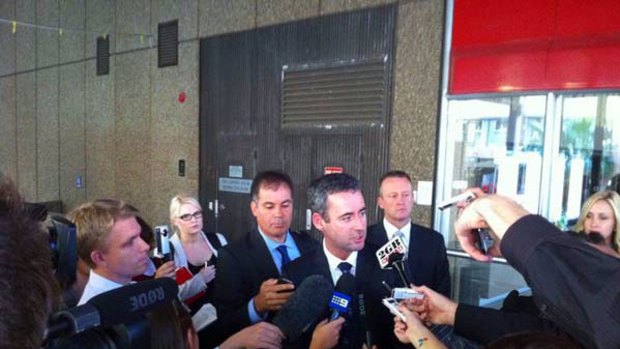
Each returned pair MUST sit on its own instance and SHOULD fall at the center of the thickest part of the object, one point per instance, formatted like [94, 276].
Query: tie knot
[345, 267]
[284, 253]
[399, 234]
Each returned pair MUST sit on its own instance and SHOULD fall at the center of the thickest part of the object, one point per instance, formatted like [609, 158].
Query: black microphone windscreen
[304, 307]
[132, 302]
[396, 257]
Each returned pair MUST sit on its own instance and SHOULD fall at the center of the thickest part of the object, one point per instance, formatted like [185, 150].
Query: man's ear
[254, 207]
[318, 221]
[98, 258]
[380, 202]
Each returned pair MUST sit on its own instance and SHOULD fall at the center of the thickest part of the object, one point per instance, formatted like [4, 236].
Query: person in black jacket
[246, 287]
[427, 261]
[574, 284]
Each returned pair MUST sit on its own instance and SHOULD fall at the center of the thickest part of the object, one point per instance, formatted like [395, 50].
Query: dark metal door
[245, 126]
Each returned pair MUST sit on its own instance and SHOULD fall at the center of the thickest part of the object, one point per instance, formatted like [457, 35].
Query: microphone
[363, 320]
[122, 305]
[397, 261]
[305, 307]
[395, 246]
[339, 303]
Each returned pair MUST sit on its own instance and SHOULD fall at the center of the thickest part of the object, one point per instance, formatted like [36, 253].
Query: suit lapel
[260, 254]
[377, 236]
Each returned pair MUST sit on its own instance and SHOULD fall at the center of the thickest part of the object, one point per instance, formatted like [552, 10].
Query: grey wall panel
[48, 152]
[133, 25]
[418, 75]
[71, 134]
[100, 21]
[333, 6]
[8, 124]
[225, 16]
[72, 17]
[100, 116]
[26, 105]
[7, 38]
[25, 37]
[270, 12]
[132, 129]
[47, 38]
[174, 129]
[185, 11]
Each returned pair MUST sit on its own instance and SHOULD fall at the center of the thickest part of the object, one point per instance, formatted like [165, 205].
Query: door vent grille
[345, 94]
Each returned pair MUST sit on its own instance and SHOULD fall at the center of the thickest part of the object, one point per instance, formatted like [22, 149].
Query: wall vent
[168, 44]
[103, 55]
[350, 93]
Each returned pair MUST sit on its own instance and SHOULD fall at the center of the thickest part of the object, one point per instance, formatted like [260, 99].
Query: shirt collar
[391, 229]
[272, 244]
[333, 262]
[102, 282]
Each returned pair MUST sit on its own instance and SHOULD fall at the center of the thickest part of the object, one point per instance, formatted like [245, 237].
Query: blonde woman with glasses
[194, 250]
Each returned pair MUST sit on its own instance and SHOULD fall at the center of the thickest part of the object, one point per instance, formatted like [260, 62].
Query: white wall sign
[235, 185]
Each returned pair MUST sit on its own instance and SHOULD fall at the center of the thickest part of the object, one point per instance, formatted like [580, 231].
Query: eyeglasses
[188, 216]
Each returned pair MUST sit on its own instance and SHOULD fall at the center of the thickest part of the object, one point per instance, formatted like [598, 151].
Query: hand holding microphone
[326, 334]
[434, 307]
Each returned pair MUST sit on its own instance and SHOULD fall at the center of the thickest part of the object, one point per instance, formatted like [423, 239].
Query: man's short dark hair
[322, 187]
[28, 292]
[270, 180]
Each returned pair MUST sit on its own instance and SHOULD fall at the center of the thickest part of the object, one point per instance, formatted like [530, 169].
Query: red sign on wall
[333, 169]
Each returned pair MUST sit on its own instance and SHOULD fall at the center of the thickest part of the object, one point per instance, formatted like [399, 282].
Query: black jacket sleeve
[575, 286]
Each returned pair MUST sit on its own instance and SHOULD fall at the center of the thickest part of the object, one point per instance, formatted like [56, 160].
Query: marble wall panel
[8, 125]
[270, 12]
[26, 107]
[133, 129]
[133, 25]
[25, 37]
[100, 21]
[185, 11]
[99, 118]
[226, 16]
[333, 6]
[47, 135]
[416, 94]
[72, 16]
[179, 123]
[7, 38]
[71, 135]
[47, 36]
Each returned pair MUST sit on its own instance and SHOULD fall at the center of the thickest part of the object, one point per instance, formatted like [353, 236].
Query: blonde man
[108, 238]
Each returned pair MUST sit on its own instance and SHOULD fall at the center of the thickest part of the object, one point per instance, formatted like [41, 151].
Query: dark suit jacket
[242, 267]
[427, 262]
[485, 325]
[368, 282]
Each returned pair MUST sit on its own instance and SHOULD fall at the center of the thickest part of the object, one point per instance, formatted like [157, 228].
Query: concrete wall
[124, 133]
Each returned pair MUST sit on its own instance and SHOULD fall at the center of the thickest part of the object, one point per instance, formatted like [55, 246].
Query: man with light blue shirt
[247, 288]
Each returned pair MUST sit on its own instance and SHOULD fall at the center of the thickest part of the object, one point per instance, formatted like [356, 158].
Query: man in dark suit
[427, 262]
[339, 212]
[246, 286]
